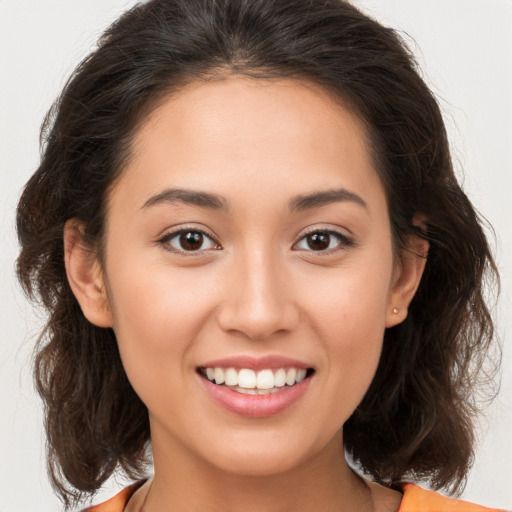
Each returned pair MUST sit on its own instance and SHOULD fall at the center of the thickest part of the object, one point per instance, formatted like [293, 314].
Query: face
[249, 273]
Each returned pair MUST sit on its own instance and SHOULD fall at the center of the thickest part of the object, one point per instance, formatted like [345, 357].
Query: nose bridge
[257, 302]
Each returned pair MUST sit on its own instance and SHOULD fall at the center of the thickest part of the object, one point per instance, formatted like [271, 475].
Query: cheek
[157, 315]
[352, 301]
[155, 300]
[349, 318]
[156, 320]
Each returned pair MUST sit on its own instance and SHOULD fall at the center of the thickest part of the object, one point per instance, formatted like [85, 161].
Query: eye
[188, 240]
[323, 241]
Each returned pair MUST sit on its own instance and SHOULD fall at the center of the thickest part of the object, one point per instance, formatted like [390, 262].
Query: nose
[257, 301]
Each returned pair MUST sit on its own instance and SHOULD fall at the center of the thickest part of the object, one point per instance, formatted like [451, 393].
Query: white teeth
[247, 379]
[247, 391]
[265, 379]
[301, 375]
[231, 377]
[290, 376]
[252, 382]
[280, 378]
[218, 375]
[256, 391]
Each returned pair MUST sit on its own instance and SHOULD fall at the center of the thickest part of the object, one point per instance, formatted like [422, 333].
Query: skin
[257, 288]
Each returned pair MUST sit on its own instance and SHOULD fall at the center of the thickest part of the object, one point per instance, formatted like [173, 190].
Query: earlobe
[85, 276]
[406, 280]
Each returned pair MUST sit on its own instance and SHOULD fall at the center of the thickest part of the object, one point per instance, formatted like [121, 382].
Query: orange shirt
[415, 499]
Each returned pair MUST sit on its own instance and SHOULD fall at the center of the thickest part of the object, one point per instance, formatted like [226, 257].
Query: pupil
[318, 241]
[191, 240]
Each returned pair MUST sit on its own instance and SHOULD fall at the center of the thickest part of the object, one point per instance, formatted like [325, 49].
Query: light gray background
[465, 49]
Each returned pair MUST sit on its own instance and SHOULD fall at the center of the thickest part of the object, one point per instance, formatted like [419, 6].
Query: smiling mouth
[251, 382]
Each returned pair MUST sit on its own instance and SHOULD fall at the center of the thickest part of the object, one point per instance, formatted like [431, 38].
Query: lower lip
[255, 406]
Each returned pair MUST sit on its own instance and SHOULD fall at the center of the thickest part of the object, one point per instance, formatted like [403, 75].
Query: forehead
[300, 108]
[238, 131]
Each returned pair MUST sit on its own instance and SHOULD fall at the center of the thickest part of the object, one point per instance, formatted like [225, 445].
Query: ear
[406, 279]
[85, 276]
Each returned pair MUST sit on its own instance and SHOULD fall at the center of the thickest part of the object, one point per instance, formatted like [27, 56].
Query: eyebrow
[217, 202]
[323, 198]
[193, 197]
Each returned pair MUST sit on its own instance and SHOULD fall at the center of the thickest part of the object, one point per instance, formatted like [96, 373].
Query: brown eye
[189, 240]
[318, 241]
[323, 241]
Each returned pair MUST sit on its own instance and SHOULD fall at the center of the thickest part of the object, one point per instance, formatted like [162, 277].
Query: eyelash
[166, 239]
[344, 242]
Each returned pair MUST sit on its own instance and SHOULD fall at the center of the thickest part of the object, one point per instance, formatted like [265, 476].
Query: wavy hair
[416, 420]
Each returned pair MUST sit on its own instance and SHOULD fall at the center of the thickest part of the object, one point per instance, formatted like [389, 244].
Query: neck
[325, 482]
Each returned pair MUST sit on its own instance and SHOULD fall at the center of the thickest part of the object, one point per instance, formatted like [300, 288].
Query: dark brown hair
[416, 420]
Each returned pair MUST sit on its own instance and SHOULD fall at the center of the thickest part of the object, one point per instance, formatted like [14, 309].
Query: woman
[256, 257]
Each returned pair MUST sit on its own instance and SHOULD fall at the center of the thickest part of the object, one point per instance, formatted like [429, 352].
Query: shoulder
[417, 499]
[118, 502]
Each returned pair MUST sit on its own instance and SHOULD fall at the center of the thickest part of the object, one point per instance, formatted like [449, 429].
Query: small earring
[395, 310]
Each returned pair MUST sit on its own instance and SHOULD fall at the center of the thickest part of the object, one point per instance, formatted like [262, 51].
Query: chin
[257, 465]
[258, 456]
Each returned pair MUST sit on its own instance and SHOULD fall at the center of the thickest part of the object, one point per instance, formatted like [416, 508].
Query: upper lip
[270, 361]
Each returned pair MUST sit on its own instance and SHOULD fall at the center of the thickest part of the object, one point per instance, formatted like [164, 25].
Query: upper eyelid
[337, 231]
[170, 232]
